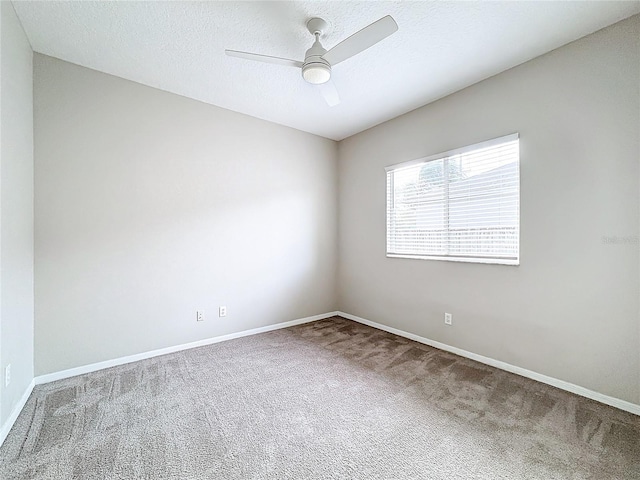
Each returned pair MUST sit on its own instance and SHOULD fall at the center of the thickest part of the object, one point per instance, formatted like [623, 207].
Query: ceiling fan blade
[264, 58]
[329, 92]
[360, 41]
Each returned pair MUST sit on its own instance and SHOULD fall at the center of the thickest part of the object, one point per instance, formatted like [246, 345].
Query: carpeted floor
[326, 400]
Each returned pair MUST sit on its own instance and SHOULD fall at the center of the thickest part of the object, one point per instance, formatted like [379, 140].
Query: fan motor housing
[316, 69]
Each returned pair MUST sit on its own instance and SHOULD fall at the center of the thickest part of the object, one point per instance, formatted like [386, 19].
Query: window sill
[490, 261]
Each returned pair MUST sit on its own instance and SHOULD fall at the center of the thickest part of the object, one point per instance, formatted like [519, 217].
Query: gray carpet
[327, 400]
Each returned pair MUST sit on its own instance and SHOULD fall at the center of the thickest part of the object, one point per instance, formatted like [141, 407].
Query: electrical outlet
[7, 375]
[222, 311]
[199, 315]
[448, 318]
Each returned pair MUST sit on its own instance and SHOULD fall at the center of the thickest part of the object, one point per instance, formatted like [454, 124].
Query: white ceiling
[440, 48]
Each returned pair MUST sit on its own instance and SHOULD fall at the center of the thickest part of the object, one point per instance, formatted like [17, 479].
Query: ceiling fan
[316, 67]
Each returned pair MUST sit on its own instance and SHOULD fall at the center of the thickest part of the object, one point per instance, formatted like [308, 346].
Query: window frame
[443, 156]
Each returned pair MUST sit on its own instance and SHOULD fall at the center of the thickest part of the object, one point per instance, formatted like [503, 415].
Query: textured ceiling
[179, 47]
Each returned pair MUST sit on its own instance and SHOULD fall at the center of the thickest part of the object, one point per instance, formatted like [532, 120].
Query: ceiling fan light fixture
[317, 63]
[316, 73]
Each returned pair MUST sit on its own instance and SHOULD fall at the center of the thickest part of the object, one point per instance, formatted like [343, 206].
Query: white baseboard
[554, 382]
[72, 372]
[599, 397]
[6, 428]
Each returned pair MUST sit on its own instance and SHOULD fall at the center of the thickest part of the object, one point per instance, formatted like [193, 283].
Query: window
[461, 205]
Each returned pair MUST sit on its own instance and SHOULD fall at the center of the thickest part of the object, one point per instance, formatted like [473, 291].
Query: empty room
[319, 240]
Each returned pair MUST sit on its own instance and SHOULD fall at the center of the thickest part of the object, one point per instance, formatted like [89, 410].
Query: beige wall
[150, 206]
[16, 210]
[571, 309]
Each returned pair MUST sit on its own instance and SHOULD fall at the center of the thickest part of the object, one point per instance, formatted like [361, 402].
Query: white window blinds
[460, 205]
